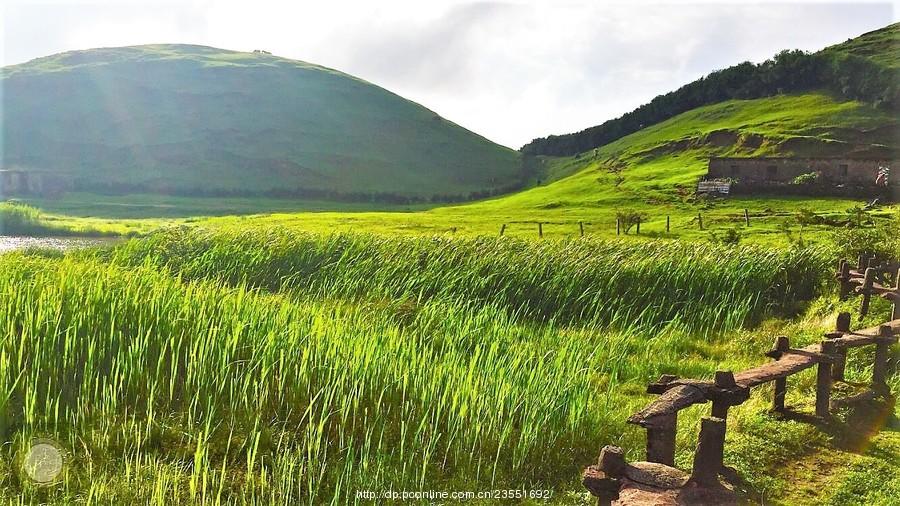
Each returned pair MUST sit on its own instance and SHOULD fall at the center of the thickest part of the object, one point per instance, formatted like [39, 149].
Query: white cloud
[508, 70]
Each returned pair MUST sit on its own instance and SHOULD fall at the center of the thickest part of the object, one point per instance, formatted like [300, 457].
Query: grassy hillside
[653, 171]
[881, 46]
[856, 70]
[661, 164]
[197, 120]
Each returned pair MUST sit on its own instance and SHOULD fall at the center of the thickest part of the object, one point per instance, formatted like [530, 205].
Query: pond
[10, 243]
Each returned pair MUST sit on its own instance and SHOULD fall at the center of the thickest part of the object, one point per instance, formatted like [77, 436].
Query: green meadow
[652, 172]
[263, 366]
[260, 350]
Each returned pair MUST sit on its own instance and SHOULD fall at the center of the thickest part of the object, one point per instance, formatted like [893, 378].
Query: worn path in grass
[857, 464]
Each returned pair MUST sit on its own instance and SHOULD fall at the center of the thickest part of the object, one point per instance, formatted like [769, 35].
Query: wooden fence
[700, 221]
[728, 389]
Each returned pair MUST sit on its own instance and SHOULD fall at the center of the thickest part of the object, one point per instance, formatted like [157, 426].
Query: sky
[510, 71]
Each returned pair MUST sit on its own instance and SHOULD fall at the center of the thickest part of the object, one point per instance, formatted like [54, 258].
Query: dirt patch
[720, 139]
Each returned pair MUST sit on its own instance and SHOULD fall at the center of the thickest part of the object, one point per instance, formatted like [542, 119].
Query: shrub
[809, 178]
[881, 239]
[628, 219]
[729, 236]
[19, 219]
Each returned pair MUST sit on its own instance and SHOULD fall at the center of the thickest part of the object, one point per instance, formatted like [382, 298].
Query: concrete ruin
[847, 177]
[14, 182]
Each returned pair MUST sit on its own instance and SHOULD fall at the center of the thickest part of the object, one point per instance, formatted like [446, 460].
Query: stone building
[831, 171]
[821, 177]
[31, 182]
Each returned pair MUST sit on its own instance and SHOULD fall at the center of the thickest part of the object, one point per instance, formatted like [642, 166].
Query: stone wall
[38, 183]
[831, 171]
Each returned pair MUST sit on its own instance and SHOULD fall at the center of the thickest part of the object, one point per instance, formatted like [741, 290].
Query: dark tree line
[115, 188]
[847, 75]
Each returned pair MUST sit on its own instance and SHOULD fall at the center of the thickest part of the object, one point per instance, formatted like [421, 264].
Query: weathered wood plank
[867, 336]
[791, 362]
[680, 393]
[877, 288]
[671, 401]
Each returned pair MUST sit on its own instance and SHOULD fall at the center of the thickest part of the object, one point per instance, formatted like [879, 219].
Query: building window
[771, 172]
[844, 170]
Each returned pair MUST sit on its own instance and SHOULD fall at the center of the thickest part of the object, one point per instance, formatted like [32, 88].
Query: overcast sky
[510, 71]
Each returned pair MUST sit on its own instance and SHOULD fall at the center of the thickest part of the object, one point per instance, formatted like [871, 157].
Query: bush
[881, 239]
[806, 179]
[729, 236]
[628, 219]
[19, 219]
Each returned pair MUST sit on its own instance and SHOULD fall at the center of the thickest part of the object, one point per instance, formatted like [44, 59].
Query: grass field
[259, 366]
[289, 351]
[652, 172]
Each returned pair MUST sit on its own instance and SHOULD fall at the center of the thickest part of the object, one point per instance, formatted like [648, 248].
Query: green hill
[660, 165]
[195, 120]
[863, 69]
[880, 46]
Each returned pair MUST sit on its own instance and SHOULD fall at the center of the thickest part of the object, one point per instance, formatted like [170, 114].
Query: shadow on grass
[858, 418]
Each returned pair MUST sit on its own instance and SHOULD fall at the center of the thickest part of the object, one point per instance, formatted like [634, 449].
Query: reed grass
[270, 368]
[640, 286]
[194, 392]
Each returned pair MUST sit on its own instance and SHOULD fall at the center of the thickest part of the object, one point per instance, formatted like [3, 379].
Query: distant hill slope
[881, 46]
[864, 68]
[197, 120]
[658, 166]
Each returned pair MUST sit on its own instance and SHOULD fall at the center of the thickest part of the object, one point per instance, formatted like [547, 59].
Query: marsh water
[10, 243]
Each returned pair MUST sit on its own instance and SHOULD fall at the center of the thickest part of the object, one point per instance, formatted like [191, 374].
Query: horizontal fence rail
[870, 277]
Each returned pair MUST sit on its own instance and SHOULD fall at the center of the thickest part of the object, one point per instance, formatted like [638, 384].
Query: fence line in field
[701, 221]
[868, 278]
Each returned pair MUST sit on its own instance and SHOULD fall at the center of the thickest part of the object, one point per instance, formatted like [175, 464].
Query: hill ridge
[871, 78]
[198, 120]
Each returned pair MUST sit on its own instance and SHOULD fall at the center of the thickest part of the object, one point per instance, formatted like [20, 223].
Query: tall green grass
[263, 367]
[20, 219]
[645, 285]
[174, 392]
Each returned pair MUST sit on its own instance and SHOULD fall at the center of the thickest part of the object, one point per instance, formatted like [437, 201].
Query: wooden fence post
[782, 344]
[668, 224]
[844, 278]
[612, 460]
[700, 220]
[605, 485]
[723, 379]
[861, 262]
[618, 226]
[840, 355]
[581, 228]
[502, 229]
[747, 216]
[710, 452]
[540, 229]
[896, 297]
[823, 382]
[639, 225]
[879, 369]
[866, 290]
[661, 439]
